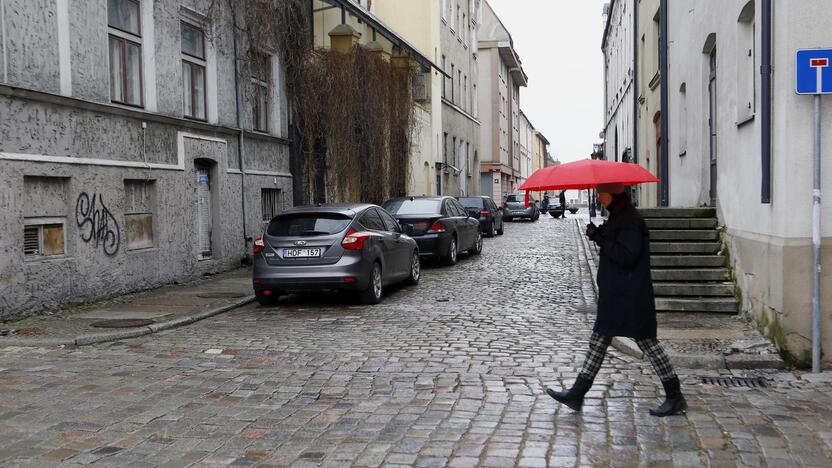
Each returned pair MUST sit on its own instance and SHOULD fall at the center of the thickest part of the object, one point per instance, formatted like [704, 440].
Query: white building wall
[770, 244]
[618, 79]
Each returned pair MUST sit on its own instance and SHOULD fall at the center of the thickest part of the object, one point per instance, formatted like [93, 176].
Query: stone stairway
[690, 272]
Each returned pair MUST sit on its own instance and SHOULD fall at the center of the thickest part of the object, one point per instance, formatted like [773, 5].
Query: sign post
[813, 75]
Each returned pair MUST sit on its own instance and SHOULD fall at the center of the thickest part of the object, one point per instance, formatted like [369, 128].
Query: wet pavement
[448, 373]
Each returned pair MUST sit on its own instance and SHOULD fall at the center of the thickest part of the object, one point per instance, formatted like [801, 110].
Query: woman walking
[626, 306]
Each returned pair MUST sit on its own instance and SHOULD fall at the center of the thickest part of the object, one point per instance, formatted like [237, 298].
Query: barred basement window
[43, 237]
[270, 200]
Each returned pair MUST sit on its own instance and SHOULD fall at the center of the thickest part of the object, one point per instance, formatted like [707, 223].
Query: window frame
[125, 37]
[193, 62]
[277, 205]
[41, 222]
[261, 86]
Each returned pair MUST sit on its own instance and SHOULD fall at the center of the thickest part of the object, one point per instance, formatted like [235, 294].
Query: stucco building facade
[123, 164]
[718, 142]
[617, 47]
[501, 76]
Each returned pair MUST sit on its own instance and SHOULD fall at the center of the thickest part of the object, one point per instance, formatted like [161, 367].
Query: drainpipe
[665, 160]
[765, 98]
[634, 157]
[3, 32]
[238, 99]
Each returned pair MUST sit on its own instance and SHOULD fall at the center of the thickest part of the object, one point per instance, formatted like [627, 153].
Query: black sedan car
[441, 226]
[489, 214]
[350, 247]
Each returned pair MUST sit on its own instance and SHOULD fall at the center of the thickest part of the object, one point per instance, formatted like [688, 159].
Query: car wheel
[267, 300]
[450, 258]
[372, 295]
[415, 270]
[492, 230]
[477, 245]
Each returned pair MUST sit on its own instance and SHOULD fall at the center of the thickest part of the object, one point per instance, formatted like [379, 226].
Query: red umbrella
[586, 174]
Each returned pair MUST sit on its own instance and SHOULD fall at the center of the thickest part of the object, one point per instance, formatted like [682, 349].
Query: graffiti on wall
[96, 223]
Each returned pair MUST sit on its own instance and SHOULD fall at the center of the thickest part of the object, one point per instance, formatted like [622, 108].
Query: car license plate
[301, 253]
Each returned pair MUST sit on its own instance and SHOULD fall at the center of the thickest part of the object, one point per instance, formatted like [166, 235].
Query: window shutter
[31, 240]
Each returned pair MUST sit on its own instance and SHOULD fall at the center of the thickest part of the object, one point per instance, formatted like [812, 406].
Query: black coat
[562, 199]
[626, 305]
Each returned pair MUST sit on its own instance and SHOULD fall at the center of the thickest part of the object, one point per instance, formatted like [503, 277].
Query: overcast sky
[559, 43]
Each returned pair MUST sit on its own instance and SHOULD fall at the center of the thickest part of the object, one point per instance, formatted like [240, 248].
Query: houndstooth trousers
[598, 345]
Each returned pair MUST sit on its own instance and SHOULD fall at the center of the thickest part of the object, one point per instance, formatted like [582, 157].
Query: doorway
[204, 210]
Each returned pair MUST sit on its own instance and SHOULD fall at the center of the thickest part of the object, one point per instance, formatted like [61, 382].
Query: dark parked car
[441, 226]
[515, 207]
[489, 214]
[351, 247]
[555, 211]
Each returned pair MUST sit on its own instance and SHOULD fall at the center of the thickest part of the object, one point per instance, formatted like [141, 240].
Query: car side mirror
[407, 229]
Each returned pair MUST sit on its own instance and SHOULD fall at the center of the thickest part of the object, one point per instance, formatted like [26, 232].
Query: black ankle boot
[574, 397]
[674, 402]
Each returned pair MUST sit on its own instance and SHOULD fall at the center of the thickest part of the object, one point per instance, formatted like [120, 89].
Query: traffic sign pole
[816, 355]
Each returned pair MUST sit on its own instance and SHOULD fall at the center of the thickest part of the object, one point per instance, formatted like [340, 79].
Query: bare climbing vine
[354, 112]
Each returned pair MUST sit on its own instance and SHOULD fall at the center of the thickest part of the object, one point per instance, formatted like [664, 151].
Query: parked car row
[364, 248]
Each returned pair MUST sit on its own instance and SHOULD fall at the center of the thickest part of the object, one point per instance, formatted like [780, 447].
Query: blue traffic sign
[814, 71]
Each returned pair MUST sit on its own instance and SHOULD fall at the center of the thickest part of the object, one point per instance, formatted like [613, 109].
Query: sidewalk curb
[103, 337]
[629, 347]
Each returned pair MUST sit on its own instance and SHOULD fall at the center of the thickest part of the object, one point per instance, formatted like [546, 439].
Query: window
[444, 79]
[125, 52]
[138, 213]
[463, 29]
[465, 93]
[475, 105]
[457, 19]
[270, 203]
[475, 161]
[193, 71]
[746, 63]
[459, 83]
[453, 89]
[453, 155]
[43, 237]
[260, 77]
[468, 159]
[371, 220]
[308, 224]
[445, 148]
[390, 224]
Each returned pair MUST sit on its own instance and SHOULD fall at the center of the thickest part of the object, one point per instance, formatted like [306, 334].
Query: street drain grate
[750, 382]
[220, 295]
[122, 323]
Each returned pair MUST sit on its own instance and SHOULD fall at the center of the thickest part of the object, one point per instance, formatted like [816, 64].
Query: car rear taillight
[437, 227]
[354, 240]
[259, 245]
[484, 213]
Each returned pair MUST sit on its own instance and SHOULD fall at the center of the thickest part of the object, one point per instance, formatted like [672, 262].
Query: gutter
[3, 33]
[634, 156]
[664, 196]
[765, 105]
[237, 98]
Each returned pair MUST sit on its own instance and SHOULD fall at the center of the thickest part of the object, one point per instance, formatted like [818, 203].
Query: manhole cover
[121, 323]
[751, 382]
[220, 295]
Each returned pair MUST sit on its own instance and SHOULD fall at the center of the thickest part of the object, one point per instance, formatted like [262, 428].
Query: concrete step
[681, 223]
[692, 274]
[678, 212]
[694, 289]
[684, 247]
[727, 305]
[684, 235]
[687, 261]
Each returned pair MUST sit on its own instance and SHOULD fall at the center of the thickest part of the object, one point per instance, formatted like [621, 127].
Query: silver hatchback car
[346, 247]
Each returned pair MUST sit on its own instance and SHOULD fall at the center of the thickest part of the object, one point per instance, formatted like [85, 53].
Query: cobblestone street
[451, 372]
